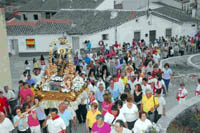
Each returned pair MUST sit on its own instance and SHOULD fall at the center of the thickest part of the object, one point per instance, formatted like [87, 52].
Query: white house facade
[108, 26]
[142, 26]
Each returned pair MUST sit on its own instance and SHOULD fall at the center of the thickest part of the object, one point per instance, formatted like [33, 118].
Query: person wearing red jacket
[2, 104]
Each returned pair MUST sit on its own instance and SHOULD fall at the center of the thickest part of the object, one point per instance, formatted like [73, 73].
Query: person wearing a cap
[9, 94]
[149, 104]
[100, 126]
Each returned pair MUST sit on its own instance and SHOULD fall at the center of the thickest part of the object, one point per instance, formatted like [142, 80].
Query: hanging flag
[30, 42]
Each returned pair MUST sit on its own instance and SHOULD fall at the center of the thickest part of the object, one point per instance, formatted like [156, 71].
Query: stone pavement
[180, 68]
[196, 60]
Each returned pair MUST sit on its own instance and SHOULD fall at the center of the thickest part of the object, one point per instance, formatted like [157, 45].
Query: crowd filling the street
[125, 87]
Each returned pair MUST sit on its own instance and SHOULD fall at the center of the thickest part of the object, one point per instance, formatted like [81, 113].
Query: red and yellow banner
[30, 42]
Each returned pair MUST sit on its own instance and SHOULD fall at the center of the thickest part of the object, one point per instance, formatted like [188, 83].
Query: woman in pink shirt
[106, 104]
[100, 126]
[24, 92]
[33, 122]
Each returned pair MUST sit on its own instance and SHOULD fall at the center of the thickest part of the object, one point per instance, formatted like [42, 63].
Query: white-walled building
[96, 25]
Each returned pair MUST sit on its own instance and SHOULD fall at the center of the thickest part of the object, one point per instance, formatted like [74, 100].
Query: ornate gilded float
[60, 81]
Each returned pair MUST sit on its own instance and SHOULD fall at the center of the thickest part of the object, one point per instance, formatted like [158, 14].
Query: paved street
[17, 68]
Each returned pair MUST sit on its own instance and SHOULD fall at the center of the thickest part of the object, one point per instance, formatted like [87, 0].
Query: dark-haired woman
[27, 67]
[106, 77]
[167, 75]
[92, 77]
[137, 95]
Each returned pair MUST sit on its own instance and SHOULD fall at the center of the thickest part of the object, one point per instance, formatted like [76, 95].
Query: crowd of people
[125, 90]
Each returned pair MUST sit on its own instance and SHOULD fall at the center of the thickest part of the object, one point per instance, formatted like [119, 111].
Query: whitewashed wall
[189, 29]
[125, 33]
[96, 37]
[42, 42]
[107, 4]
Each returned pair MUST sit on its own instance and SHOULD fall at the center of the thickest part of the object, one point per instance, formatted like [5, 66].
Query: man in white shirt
[6, 125]
[23, 76]
[130, 112]
[162, 103]
[114, 115]
[156, 58]
[119, 83]
[131, 81]
[73, 113]
[9, 94]
[54, 123]
[145, 86]
[119, 127]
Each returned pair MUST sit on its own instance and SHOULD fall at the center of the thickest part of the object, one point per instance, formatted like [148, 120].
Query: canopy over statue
[60, 82]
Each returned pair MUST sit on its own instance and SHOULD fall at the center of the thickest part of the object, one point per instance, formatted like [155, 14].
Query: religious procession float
[60, 82]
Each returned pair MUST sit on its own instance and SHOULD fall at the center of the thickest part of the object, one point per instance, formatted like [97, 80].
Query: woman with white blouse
[142, 125]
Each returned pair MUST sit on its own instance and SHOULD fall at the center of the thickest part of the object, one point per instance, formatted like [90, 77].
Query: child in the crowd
[181, 94]
[197, 92]
[159, 84]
